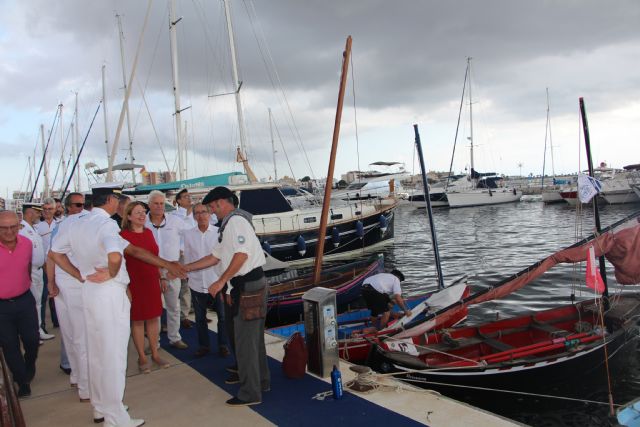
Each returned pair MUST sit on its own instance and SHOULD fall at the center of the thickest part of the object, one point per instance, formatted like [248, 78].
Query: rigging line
[153, 126]
[64, 147]
[355, 114]
[455, 139]
[284, 150]
[290, 117]
[44, 155]
[546, 133]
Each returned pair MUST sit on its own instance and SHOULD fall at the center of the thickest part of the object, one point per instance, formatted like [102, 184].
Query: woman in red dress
[145, 287]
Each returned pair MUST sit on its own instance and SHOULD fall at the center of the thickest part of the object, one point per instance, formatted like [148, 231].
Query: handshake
[175, 270]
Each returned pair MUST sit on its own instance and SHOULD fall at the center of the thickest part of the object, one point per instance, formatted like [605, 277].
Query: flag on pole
[587, 187]
[594, 279]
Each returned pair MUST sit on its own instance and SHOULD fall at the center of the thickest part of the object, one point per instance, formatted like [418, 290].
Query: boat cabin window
[310, 219]
[336, 216]
[356, 185]
[262, 201]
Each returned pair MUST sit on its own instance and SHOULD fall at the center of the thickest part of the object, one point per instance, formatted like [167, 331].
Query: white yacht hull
[620, 197]
[481, 197]
[552, 196]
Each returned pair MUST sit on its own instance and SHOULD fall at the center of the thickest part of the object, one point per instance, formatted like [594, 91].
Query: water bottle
[336, 383]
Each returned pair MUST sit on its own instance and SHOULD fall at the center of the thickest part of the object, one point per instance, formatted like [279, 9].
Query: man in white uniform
[377, 292]
[199, 242]
[30, 217]
[167, 230]
[184, 211]
[241, 259]
[67, 291]
[45, 229]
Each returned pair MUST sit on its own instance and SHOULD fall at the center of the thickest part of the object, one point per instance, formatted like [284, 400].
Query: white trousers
[172, 305]
[106, 315]
[37, 286]
[70, 311]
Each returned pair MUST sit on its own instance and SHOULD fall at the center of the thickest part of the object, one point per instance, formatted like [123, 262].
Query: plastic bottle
[336, 382]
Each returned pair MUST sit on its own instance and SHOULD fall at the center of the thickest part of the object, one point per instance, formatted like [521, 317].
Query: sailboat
[486, 188]
[552, 194]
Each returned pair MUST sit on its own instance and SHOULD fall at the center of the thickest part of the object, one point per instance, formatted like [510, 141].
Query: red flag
[594, 279]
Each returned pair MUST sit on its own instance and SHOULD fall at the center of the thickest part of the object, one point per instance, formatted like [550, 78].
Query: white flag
[587, 187]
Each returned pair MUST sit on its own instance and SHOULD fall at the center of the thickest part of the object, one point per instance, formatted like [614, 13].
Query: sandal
[144, 368]
[163, 364]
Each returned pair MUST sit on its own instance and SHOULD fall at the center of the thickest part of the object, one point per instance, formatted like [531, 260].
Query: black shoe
[31, 373]
[201, 352]
[65, 370]
[234, 401]
[232, 379]
[24, 390]
[232, 369]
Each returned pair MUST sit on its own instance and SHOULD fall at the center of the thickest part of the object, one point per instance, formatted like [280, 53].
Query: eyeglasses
[10, 228]
[48, 209]
[201, 212]
[77, 205]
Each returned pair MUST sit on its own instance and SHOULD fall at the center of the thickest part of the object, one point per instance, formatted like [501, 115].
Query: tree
[305, 179]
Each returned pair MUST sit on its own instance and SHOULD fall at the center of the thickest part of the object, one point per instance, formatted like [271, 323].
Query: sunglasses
[77, 205]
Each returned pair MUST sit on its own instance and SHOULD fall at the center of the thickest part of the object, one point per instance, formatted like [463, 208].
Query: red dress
[146, 300]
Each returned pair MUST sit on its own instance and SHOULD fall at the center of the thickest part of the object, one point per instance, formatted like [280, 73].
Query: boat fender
[384, 223]
[490, 193]
[359, 229]
[267, 247]
[335, 237]
[301, 245]
[515, 192]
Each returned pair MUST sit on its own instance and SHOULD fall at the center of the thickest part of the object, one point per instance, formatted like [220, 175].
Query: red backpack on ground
[294, 363]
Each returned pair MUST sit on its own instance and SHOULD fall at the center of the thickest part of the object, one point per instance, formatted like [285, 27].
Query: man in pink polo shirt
[18, 317]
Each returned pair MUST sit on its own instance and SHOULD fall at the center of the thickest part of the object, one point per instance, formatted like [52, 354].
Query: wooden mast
[322, 232]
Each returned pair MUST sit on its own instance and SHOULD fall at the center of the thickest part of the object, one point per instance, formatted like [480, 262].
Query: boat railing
[10, 410]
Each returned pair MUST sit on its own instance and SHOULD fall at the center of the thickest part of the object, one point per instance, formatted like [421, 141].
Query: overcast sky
[409, 60]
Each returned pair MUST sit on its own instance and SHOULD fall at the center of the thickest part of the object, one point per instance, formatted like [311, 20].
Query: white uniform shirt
[197, 245]
[168, 235]
[64, 226]
[181, 213]
[38, 254]
[44, 229]
[385, 283]
[239, 236]
[91, 239]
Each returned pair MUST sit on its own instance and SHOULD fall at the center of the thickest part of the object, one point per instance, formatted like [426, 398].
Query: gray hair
[155, 194]
[49, 201]
[201, 204]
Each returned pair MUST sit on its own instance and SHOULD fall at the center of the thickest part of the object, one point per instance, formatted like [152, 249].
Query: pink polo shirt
[16, 275]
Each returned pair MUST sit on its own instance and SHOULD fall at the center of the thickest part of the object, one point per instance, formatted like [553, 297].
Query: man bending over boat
[378, 291]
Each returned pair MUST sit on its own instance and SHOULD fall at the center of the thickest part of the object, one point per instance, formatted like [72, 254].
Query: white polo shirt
[197, 245]
[90, 240]
[239, 236]
[44, 229]
[38, 254]
[385, 283]
[168, 235]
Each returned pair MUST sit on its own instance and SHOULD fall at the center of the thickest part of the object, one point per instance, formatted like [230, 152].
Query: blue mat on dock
[289, 403]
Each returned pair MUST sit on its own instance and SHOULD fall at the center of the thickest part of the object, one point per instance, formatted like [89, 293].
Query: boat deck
[192, 392]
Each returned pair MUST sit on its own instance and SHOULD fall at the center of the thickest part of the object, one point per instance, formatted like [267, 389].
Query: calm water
[492, 242]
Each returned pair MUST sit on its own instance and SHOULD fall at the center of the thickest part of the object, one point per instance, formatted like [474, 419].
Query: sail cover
[619, 243]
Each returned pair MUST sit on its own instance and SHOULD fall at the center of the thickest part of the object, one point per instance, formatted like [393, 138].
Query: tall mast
[104, 113]
[553, 169]
[238, 83]
[176, 85]
[76, 138]
[273, 148]
[322, 231]
[64, 163]
[470, 121]
[126, 101]
[45, 191]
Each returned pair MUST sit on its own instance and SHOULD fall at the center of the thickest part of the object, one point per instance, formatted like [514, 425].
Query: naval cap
[106, 189]
[217, 194]
[36, 206]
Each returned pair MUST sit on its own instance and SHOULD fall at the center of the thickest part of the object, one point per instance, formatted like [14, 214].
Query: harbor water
[489, 243]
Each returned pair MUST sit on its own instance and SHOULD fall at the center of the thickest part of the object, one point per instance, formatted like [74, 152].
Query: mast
[64, 163]
[322, 232]
[126, 101]
[76, 138]
[596, 212]
[273, 148]
[238, 83]
[547, 133]
[427, 198]
[176, 85]
[104, 113]
[45, 191]
[553, 168]
[471, 122]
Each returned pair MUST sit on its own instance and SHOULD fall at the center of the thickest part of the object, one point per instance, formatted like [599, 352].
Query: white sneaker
[133, 422]
[45, 336]
[99, 418]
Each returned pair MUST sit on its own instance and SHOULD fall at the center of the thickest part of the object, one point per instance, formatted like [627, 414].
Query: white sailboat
[550, 194]
[486, 189]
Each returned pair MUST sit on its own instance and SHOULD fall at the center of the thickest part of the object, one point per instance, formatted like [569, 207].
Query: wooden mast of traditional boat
[322, 232]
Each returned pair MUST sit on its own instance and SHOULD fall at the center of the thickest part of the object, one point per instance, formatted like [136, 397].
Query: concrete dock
[192, 392]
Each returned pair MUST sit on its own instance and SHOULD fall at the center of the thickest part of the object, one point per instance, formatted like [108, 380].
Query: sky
[408, 66]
